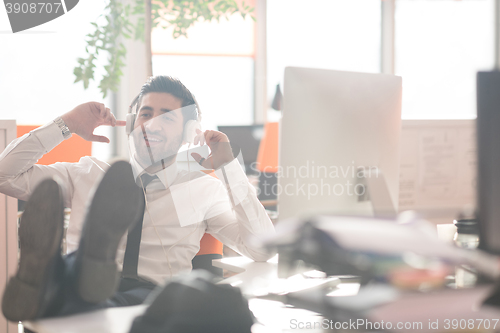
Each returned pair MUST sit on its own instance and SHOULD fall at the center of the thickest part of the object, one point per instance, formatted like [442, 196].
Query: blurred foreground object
[193, 303]
[488, 136]
[357, 245]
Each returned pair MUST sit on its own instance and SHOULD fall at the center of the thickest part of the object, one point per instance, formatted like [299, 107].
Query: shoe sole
[28, 293]
[116, 206]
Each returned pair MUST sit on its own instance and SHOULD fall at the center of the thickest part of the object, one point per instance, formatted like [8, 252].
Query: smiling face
[158, 129]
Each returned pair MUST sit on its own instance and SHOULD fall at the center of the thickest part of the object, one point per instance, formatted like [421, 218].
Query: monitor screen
[339, 132]
[247, 138]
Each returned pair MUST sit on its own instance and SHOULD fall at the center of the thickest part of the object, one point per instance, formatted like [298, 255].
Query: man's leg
[130, 292]
[118, 203]
[87, 278]
[91, 272]
[35, 289]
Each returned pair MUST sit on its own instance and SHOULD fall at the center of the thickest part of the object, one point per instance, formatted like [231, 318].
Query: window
[330, 34]
[36, 70]
[216, 62]
[440, 45]
[223, 85]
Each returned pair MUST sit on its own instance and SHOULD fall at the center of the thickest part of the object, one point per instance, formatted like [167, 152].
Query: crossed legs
[46, 284]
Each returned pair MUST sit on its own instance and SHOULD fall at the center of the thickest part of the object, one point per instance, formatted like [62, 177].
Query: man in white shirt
[181, 206]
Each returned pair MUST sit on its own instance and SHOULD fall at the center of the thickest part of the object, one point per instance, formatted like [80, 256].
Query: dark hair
[173, 86]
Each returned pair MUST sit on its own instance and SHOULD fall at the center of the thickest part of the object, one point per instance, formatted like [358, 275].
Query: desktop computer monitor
[339, 132]
[247, 138]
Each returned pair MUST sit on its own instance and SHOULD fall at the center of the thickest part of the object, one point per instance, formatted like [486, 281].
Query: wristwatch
[64, 128]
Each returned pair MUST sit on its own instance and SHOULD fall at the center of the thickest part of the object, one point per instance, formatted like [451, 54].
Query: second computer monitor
[247, 138]
[338, 129]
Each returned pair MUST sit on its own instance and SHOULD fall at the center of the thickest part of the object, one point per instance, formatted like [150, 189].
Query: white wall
[36, 67]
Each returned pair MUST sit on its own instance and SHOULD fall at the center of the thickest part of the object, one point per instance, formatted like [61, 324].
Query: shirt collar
[166, 176]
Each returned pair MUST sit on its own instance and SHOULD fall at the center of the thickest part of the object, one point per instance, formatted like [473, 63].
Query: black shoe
[117, 205]
[34, 289]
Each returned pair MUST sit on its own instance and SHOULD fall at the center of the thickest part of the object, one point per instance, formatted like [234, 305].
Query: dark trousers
[130, 292]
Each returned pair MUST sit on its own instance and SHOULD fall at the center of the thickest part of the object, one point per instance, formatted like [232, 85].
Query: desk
[113, 320]
[275, 317]
[259, 278]
[252, 278]
[272, 317]
[409, 307]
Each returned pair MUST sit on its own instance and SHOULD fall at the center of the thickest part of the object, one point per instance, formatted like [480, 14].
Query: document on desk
[438, 167]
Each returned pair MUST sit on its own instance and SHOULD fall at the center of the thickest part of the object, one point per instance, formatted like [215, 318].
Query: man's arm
[19, 174]
[247, 221]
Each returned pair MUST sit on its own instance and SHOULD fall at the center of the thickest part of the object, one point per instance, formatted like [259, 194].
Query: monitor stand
[377, 192]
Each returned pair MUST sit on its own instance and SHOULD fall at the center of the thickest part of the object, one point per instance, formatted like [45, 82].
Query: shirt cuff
[49, 135]
[235, 179]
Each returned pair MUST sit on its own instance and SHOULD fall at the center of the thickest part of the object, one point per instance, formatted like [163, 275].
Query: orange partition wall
[210, 245]
[70, 150]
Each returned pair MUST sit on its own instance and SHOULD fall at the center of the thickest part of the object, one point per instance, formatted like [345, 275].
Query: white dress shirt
[181, 206]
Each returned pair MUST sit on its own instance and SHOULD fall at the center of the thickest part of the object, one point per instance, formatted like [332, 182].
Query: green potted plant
[106, 39]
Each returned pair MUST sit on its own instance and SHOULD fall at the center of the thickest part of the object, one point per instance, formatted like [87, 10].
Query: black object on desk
[192, 304]
[488, 171]
[315, 247]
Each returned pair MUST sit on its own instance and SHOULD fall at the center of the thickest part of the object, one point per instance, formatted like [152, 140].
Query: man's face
[158, 128]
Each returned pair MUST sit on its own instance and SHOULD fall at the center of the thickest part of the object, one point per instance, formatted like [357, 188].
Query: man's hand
[84, 119]
[218, 142]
